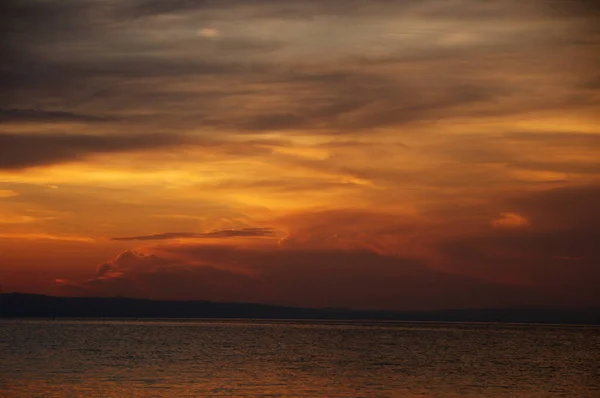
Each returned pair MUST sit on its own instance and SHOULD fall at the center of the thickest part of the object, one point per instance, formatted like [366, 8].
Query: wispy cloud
[38, 115]
[46, 236]
[226, 233]
[8, 193]
[19, 151]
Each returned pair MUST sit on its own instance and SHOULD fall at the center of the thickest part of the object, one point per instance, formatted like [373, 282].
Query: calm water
[280, 359]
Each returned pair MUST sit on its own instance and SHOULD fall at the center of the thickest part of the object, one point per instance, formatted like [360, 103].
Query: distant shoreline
[33, 306]
[296, 321]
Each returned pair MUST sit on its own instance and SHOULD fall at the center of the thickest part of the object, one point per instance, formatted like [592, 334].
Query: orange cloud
[8, 193]
[46, 236]
[510, 220]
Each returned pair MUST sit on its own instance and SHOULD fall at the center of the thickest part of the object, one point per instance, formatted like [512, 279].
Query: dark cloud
[557, 249]
[157, 7]
[288, 9]
[27, 18]
[563, 208]
[225, 233]
[302, 9]
[19, 151]
[47, 58]
[64, 79]
[361, 101]
[24, 24]
[317, 278]
[37, 115]
[45, 55]
[134, 274]
[563, 263]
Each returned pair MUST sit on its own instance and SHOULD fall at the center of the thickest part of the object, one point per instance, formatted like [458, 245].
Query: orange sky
[366, 154]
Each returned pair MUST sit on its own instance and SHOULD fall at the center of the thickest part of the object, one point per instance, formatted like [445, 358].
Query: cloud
[20, 151]
[226, 233]
[134, 274]
[539, 154]
[569, 207]
[11, 219]
[37, 115]
[289, 9]
[301, 9]
[510, 220]
[8, 193]
[355, 258]
[46, 236]
[209, 33]
[354, 78]
[296, 110]
[564, 226]
[317, 278]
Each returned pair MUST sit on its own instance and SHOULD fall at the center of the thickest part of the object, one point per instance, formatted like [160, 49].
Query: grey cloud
[157, 7]
[225, 233]
[358, 101]
[45, 49]
[289, 9]
[16, 16]
[19, 151]
[132, 68]
[53, 75]
[302, 9]
[26, 23]
[38, 115]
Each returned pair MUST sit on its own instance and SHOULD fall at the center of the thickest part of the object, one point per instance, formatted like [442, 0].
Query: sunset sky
[384, 154]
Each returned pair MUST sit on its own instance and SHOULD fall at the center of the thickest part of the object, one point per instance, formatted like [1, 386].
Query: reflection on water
[279, 359]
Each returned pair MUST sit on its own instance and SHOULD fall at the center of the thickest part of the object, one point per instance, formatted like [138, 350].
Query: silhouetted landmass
[18, 305]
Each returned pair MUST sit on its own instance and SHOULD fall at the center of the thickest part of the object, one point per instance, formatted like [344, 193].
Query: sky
[416, 154]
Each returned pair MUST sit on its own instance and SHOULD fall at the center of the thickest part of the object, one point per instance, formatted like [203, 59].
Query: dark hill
[17, 305]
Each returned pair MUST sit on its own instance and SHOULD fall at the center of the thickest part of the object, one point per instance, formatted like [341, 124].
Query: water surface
[196, 358]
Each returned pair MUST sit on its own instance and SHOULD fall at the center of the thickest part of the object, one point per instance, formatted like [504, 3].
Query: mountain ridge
[22, 305]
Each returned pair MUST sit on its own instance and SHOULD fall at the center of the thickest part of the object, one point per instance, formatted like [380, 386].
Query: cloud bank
[416, 153]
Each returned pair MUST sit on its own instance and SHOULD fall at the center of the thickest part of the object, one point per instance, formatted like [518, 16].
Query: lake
[243, 358]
